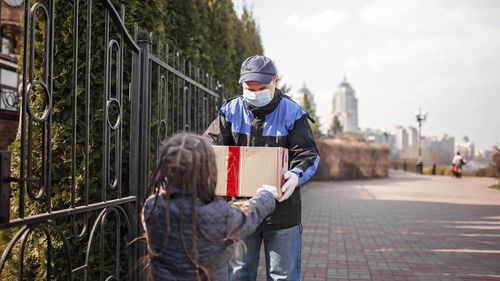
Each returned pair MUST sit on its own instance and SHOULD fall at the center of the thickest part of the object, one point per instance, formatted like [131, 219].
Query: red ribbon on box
[233, 170]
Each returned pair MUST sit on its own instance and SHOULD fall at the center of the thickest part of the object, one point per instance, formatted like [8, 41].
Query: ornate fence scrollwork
[166, 95]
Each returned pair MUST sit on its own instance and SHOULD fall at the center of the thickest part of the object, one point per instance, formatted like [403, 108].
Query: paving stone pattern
[349, 234]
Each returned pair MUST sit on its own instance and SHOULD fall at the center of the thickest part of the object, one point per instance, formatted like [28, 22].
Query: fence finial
[143, 37]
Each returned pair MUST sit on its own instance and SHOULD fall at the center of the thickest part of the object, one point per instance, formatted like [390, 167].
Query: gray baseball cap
[257, 68]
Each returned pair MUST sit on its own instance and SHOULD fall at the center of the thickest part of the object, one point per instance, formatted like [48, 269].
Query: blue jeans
[283, 251]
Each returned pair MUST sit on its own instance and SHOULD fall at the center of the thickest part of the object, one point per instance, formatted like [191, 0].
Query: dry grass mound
[343, 160]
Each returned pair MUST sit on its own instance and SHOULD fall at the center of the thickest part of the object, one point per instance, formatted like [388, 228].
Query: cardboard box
[241, 170]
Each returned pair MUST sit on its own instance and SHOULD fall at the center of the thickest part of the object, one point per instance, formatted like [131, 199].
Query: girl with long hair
[190, 232]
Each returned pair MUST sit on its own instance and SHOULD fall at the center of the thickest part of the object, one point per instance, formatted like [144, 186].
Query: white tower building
[401, 137]
[412, 136]
[345, 107]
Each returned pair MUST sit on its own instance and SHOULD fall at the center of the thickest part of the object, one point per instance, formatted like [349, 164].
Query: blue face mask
[257, 98]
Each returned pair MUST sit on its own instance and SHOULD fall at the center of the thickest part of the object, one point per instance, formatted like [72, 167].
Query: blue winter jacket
[217, 221]
[281, 123]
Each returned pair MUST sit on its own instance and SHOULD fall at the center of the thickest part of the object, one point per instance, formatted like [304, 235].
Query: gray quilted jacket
[216, 220]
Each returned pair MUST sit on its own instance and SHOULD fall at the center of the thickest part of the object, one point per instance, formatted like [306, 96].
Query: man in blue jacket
[264, 116]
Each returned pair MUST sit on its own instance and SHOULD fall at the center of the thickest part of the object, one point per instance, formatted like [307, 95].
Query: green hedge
[207, 32]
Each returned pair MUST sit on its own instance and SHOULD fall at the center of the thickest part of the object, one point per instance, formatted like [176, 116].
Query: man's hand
[271, 189]
[292, 180]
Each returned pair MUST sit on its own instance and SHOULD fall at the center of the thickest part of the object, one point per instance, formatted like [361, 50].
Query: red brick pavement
[350, 234]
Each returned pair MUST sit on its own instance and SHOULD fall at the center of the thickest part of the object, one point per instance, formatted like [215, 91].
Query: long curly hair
[187, 162]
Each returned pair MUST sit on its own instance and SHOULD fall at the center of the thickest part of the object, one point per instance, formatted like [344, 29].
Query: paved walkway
[407, 227]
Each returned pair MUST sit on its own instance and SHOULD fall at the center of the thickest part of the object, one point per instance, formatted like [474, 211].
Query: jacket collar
[268, 108]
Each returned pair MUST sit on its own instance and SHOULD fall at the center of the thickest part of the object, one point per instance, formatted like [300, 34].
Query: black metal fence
[408, 165]
[163, 94]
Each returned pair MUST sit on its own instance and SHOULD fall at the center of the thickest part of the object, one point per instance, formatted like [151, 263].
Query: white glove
[271, 189]
[292, 180]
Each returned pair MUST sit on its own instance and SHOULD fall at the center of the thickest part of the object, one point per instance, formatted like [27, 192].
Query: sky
[442, 56]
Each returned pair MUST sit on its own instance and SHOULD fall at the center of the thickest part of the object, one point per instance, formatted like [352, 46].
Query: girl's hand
[271, 189]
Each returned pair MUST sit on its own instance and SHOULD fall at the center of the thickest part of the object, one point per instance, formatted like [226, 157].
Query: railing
[83, 167]
[408, 165]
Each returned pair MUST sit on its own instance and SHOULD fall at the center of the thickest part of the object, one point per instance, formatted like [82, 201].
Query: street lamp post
[421, 116]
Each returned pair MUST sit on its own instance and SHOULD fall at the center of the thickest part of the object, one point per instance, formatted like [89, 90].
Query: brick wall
[12, 14]
[9, 122]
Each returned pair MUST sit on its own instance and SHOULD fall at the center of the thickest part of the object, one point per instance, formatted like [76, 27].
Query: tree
[308, 106]
[285, 88]
[335, 128]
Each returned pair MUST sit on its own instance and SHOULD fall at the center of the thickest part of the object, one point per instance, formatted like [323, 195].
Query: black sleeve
[219, 132]
[304, 156]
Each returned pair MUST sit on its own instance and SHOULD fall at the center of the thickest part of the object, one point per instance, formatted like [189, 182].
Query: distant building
[438, 150]
[404, 145]
[401, 136]
[466, 148]
[448, 145]
[375, 136]
[482, 154]
[391, 140]
[301, 96]
[345, 107]
[379, 137]
[412, 136]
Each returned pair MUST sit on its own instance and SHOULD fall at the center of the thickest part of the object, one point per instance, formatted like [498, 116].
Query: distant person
[187, 229]
[457, 163]
[264, 116]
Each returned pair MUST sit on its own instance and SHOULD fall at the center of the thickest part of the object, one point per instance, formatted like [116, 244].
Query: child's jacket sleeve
[241, 224]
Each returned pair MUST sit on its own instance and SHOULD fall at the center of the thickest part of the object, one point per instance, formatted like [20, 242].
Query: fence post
[419, 166]
[220, 101]
[144, 41]
[139, 145]
[4, 187]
